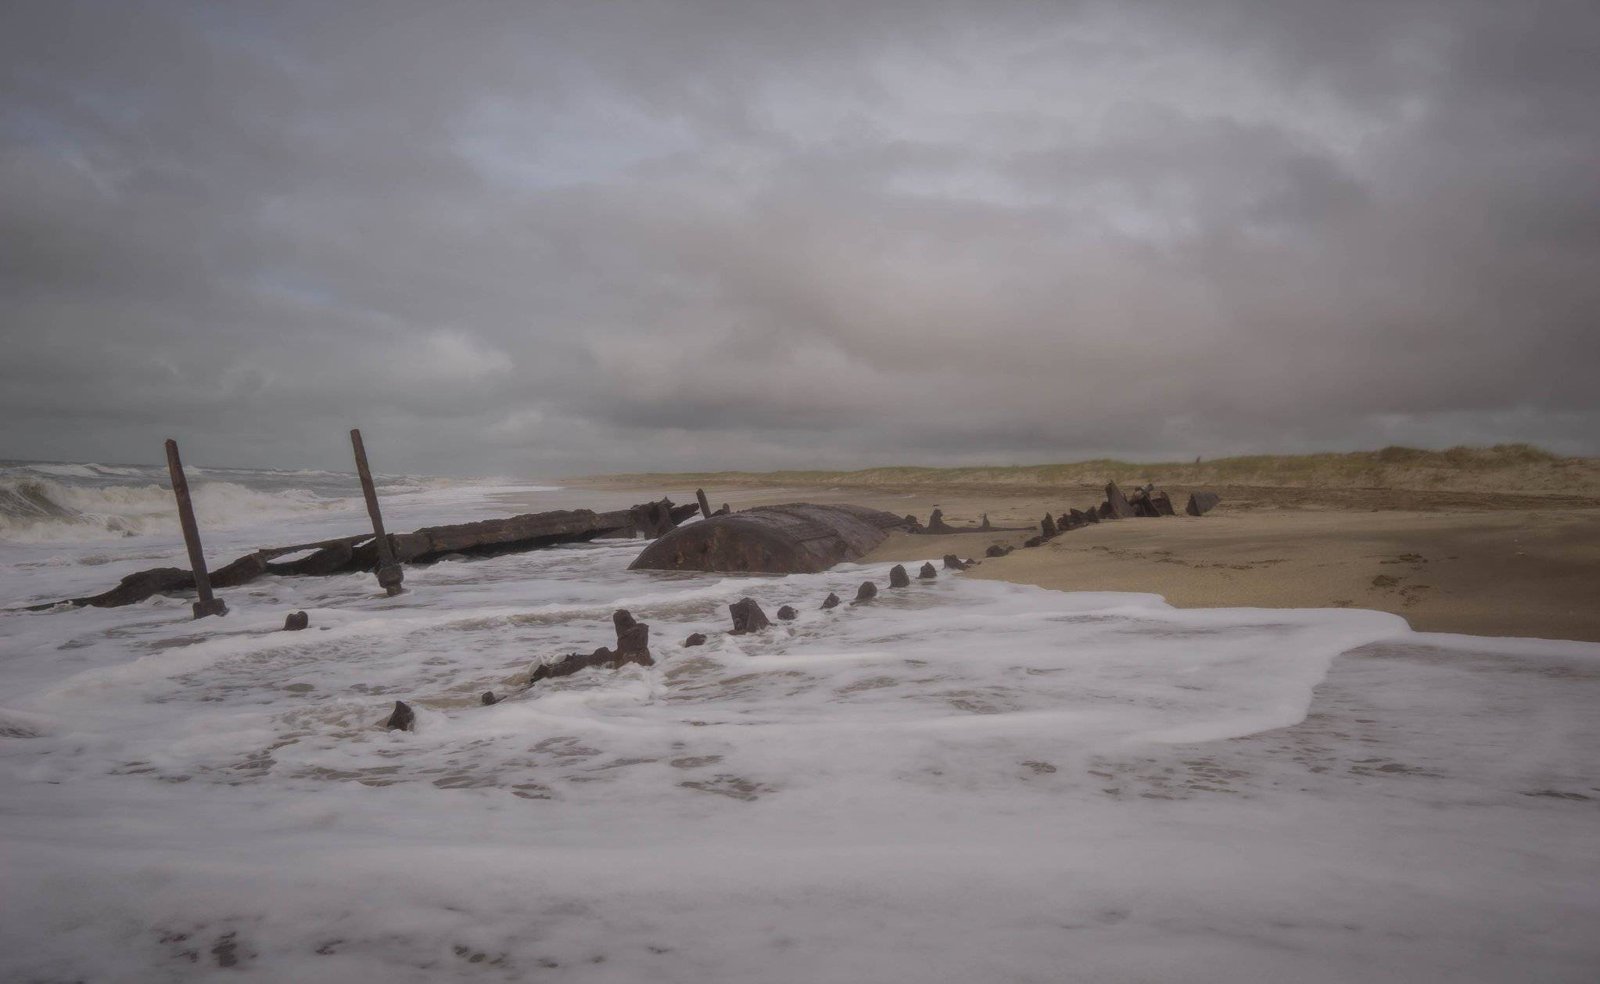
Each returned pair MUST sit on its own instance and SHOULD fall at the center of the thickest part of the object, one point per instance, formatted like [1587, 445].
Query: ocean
[966, 780]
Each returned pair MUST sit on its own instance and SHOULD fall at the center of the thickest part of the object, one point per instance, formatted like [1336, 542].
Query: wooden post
[207, 605]
[705, 504]
[389, 575]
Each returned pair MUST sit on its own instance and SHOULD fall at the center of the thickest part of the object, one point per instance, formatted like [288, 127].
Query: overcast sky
[541, 239]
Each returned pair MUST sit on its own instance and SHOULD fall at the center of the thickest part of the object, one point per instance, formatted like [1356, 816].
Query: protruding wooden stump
[207, 605]
[389, 574]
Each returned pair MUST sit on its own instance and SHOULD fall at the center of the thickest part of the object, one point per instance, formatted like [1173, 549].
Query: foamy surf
[43, 503]
[964, 780]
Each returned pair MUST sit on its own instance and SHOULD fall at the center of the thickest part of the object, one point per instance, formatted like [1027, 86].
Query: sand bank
[1505, 574]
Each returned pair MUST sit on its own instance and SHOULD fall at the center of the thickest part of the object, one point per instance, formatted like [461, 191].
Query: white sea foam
[965, 780]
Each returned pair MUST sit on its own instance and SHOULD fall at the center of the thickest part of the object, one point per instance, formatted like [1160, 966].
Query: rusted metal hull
[798, 538]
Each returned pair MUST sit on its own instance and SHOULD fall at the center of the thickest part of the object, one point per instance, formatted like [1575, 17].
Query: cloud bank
[537, 239]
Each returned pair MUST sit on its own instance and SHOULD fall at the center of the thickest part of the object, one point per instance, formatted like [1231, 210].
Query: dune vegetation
[1508, 468]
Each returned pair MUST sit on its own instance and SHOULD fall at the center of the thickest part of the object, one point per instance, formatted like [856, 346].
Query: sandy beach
[1478, 562]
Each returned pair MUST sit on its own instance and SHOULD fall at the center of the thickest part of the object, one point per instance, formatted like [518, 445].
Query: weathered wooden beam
[208, 604]
[389, 573]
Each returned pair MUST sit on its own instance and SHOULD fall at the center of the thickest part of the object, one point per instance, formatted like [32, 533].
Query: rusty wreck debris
[798, 538]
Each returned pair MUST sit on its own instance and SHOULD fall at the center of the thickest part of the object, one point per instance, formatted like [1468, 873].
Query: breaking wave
[43, 502]
[36, 507]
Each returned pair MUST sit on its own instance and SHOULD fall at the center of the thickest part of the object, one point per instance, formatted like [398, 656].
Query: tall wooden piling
[705, 504]
[389, 574]
[208, 604]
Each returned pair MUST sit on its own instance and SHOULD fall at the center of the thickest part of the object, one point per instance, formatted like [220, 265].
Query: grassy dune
[1504, 468]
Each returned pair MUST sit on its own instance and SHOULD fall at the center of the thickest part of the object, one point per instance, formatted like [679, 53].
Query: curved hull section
[799, 538]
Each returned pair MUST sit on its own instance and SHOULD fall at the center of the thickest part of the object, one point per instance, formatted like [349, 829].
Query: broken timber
[789, 539]
[356, 554]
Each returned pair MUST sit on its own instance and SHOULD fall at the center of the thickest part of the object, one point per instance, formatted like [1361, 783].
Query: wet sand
[1494, 567]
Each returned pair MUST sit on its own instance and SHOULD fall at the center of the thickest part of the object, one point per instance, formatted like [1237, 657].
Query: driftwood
[799, 538]
[354, 554]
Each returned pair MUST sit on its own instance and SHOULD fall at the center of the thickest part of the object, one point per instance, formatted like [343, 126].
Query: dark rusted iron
[748, 617]
[1116, 505]
[389, 573]
[1201, 503]
[208, 604]
[788, 539]
[652, 519]
[403, 718]
[633, 646]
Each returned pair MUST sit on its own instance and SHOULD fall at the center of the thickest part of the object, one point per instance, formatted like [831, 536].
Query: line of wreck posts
[783, 539]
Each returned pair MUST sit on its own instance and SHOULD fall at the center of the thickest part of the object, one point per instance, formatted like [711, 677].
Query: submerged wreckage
[787, 539]
[355, 554]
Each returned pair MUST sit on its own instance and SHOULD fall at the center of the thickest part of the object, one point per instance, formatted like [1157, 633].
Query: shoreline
[1488, 571]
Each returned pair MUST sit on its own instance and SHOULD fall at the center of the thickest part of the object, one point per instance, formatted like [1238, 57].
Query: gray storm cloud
[541, 239]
